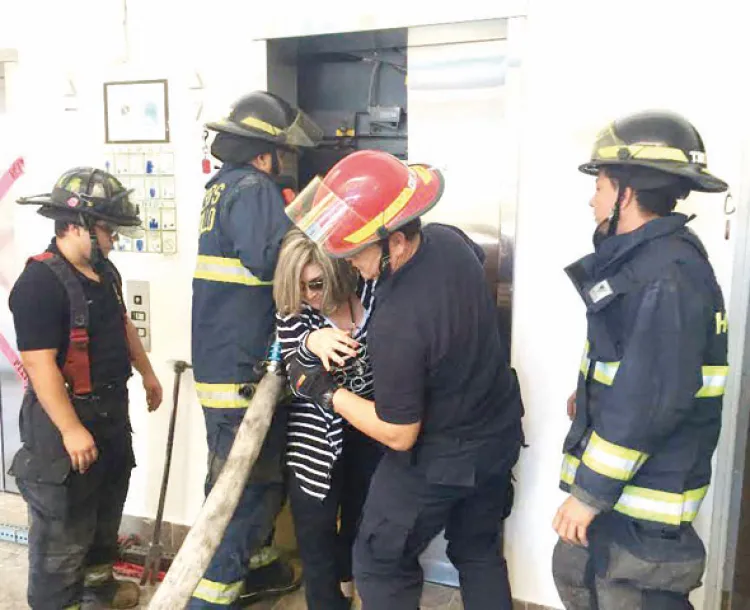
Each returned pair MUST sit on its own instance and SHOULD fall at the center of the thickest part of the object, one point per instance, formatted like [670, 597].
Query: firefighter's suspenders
[77, 367]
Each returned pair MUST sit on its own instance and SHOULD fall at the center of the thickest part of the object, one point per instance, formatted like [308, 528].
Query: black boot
[275, 579]
[113, 593]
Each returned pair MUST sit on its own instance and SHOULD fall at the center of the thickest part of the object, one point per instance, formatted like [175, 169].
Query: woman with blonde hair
[323, 311]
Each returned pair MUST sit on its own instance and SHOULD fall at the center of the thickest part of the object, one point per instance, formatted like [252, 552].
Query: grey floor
[13, 567]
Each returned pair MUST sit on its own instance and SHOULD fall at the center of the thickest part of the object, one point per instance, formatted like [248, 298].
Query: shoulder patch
[600, 291]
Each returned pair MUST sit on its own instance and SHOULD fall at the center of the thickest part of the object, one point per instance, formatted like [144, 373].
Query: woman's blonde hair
[297, 251]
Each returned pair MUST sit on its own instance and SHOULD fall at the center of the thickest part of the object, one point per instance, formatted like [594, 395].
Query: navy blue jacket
[652, 378]
[242, 225]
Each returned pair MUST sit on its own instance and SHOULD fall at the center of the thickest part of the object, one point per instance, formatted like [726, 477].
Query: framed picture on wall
[136, 112]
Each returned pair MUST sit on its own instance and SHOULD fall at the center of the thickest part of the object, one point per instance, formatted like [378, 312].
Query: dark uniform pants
[251, 526]
[74, 518]
[407, 506]
[326, 528]
[629, 566]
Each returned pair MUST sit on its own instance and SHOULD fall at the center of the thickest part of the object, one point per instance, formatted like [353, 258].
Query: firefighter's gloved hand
[312, 382]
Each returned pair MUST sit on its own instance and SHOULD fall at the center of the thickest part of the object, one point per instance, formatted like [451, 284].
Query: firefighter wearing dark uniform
[241, 226]
[648, 405]
[446, 403]
[77, 346]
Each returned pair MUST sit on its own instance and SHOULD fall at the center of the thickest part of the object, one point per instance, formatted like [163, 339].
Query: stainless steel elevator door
[458, 98]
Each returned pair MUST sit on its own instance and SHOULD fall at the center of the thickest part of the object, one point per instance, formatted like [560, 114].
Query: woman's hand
[331, 345]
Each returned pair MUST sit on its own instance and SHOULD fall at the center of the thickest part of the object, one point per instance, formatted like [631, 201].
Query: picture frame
[136, 112]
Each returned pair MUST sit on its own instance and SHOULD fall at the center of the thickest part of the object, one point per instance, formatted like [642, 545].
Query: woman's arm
[292, 332]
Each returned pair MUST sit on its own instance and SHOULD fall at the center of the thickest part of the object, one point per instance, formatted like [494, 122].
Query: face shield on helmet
[365, 197]
[330, 221]
[302, 132]
[122, 217]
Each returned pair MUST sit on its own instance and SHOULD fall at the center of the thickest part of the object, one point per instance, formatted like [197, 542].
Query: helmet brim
[226, 126]
[302, 133]
[43, 199]
[53, 209]
[698, 178]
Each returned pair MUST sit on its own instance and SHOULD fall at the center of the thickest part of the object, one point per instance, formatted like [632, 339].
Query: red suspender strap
[77, 367]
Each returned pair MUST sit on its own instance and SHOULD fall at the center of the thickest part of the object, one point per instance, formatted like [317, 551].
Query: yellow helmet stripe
[382, 219]
[251, 121]
[641, 152]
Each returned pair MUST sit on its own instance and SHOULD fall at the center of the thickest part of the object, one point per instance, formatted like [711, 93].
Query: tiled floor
[14, 565]
[13, 509]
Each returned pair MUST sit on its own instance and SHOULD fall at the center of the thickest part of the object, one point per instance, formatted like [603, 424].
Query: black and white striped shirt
[315, 436]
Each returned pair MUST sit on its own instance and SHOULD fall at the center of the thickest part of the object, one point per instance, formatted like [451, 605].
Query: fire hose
[204, 537]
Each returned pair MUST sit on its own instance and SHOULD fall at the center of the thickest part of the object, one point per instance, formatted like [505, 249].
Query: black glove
[312, 382]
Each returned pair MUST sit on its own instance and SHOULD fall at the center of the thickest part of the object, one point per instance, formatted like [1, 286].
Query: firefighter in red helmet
[447, 405]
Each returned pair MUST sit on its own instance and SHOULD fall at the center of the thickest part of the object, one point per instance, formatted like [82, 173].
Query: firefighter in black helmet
[241, 226]
[647, 410]
[77, 345]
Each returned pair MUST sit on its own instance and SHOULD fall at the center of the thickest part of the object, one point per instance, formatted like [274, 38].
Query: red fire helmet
[363, 198]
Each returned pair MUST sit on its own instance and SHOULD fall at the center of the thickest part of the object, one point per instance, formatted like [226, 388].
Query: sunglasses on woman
[315, 285]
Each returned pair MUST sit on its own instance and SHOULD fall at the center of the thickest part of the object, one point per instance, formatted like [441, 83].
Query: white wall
[53, 140]
[585, 62]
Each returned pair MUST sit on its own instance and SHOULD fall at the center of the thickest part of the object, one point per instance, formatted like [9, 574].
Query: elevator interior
[443, 95]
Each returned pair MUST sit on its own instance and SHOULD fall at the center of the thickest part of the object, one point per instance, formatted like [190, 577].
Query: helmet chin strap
[614, 217]
[385, 254]
[97, 256]
[611, 222]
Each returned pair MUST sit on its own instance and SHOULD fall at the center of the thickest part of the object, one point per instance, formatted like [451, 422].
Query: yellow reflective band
[264, 557]
[217, 592]
[585, 361]
[228, 270]
[382, 219]
[612, 460]
[714, 381]
[642, 152]
[604, 372]
[691, 502]
[251, 121]
[222, 395]
[97, 575]
[714, 377]
[73, 607]
[660, 506]
[648, 504]
[569, 467]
